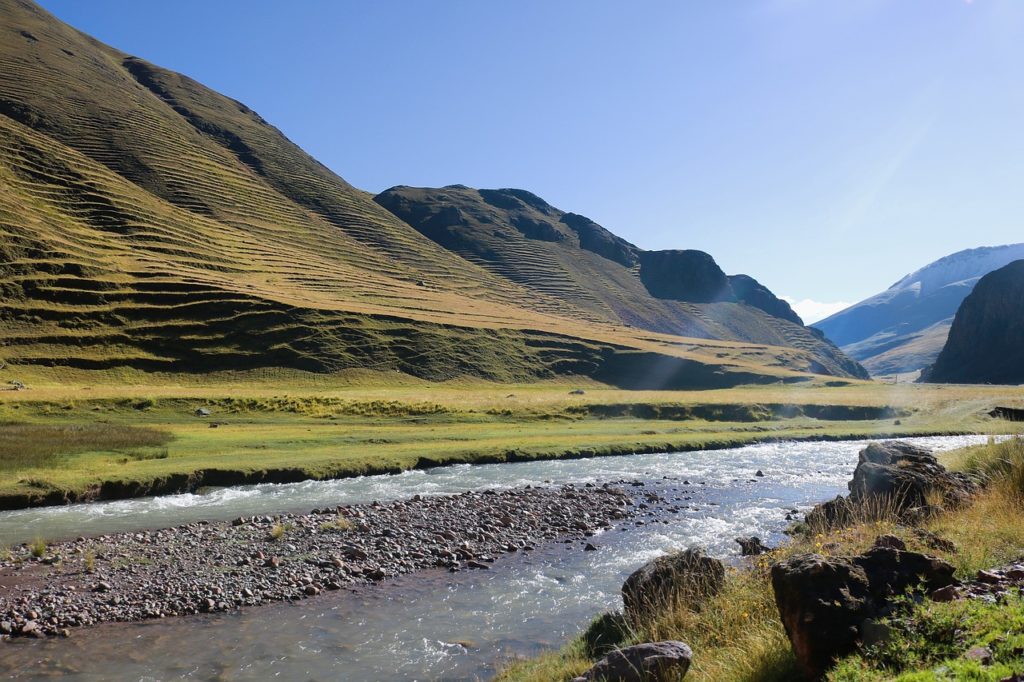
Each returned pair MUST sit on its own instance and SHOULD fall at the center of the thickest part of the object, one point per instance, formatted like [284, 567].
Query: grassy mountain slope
[519, 236]
[149, 222]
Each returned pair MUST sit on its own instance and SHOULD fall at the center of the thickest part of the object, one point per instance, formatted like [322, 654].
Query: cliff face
[986, 341]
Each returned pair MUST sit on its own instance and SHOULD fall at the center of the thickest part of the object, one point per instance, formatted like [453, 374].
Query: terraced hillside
[519, 236]
[149, 222]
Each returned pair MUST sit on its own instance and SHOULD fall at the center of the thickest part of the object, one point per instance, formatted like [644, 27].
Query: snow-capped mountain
[903, 328]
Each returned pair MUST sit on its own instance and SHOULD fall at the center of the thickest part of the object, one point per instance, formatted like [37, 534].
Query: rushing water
[429, 625]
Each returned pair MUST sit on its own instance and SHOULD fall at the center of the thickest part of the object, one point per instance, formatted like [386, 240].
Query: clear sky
[825, 148]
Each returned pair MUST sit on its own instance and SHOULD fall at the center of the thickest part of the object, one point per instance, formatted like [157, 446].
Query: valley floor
[80, 436]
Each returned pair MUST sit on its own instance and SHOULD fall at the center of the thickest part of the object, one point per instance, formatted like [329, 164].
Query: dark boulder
[892, 571]
[895, 478]
[648, 662]
[752, 546]
[822, 601]
[685, 578]
[606, 633]
[827, 604]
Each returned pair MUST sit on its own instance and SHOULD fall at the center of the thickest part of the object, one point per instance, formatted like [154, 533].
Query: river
[430, 625]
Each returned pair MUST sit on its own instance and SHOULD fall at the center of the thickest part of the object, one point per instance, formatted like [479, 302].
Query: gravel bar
[209, 567]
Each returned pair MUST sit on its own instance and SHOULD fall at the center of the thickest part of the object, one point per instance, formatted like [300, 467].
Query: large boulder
[685, 578]
[822, 601]
[894, 477]
[648, 662]
[892, 571]
[827, 604]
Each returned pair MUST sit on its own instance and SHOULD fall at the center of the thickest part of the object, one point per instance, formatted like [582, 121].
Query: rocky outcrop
[897, 478]
[986, 341]
[684, 275]
[750, 291]
[686, 578]
[648, 662]
[827, 603]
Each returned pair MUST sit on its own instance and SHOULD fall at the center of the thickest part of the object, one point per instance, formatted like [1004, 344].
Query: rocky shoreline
[208, 567]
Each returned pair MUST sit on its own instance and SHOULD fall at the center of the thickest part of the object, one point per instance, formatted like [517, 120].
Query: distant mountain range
[904, 328]
[986, 340]
[148, 222]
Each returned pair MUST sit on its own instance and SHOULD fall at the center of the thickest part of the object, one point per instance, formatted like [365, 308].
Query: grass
[277, 531]
[312, 428]
[339, 525]
[738, 637]
[37, 548]
[28, 446]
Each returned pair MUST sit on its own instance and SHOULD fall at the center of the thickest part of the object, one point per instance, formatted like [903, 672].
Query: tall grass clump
[1001, 463]
[31, 446]
[37, 548]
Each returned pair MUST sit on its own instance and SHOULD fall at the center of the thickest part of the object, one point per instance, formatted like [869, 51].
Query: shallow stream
[430, 625]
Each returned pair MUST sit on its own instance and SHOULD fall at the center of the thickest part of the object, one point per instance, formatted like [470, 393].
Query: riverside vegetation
[973, 632]
[147, 434]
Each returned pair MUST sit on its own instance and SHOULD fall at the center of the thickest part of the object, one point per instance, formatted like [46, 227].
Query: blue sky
[825, 148]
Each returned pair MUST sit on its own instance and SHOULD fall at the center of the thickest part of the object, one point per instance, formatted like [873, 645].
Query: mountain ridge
[903, 328]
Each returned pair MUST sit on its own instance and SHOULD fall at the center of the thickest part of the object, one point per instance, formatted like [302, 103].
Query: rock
[202, 412]
[759, 474]
[752, 546]
[892, 571]
[689, 577]
[822, 601]
[945, 594]
[899, 478]
[578, 391]
[605, 634]
[989, 577]
[825, 602]
[642, 663]
[890, 541]
[590, 547]
[934, 541]
[873, 633]
[477, 565]
[101, 587]
[980, 654]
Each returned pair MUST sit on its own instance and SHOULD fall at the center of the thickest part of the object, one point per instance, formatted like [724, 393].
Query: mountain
[149, 222]
[903, 328]
[519, 236]
[986, 341]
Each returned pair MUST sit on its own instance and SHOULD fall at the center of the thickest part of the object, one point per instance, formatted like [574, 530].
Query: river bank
[206, 567]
